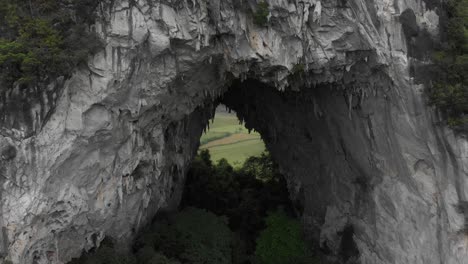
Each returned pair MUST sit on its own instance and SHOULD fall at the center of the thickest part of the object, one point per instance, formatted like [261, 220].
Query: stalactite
[350, 104]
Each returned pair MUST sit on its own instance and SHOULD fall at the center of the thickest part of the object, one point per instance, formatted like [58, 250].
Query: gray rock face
[335, 87]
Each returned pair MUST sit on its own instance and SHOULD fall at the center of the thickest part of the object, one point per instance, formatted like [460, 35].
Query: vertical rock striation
[335, 87]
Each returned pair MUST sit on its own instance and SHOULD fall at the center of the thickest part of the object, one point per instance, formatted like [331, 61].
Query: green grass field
[228, 139]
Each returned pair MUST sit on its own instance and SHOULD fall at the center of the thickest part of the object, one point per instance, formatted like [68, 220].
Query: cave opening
[309, 188]
[309, 134]
[234, 176]
[226, 137]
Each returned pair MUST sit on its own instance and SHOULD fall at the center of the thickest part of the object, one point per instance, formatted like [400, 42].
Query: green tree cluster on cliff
[44, 39]
[450, 91]
[261, 14]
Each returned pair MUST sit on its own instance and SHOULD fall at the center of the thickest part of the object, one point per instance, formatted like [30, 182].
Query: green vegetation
[298, 68]
[244, 195]
[148, 255]
[43, 39]
[450, 91]
[281, 242]
[212, 136]
[262, 168]
[238, 152]
[228, 139]
[298, 72]
[257, 187]
[192, 236]
[236, 205]
[261, 14]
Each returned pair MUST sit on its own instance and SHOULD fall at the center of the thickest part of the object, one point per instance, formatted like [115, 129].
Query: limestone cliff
[336, 89]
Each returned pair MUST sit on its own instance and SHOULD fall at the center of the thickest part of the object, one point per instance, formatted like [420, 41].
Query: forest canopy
[43, 39]
[228, 215]
[450, 90]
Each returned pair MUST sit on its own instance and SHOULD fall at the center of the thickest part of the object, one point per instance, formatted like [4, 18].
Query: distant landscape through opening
[227, 138]
[235, 208]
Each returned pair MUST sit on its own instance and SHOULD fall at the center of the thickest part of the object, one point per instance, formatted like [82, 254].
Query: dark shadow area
[313, 135]
[269, 216]
[252, 214]
[227, 214]
[245, 196]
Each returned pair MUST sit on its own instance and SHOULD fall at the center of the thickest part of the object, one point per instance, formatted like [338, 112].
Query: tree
[44, 39]
[261, 167]
[244, 195]
[450, 91]
[193, 236]
[147, 255]
[281, 242]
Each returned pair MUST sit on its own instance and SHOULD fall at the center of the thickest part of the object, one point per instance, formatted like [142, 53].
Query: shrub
[298, 68]
[192, 236]
[147, 255]
[261, 167]
[261, 14]
[44, 39]
[281, 242]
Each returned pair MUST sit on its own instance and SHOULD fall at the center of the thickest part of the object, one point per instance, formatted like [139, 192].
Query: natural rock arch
[327, 83]
[326, 144]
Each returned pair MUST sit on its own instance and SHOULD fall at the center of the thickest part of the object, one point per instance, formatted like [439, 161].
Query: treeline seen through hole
[227, 216]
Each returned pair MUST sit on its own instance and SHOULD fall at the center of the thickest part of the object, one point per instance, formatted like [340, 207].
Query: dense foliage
[192, 236]
[245, 195]
[281, 242]
[44, 39]
[236, 205]
[450, 91]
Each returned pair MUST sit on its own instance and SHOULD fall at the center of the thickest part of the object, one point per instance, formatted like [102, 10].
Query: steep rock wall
[375, 182]
[100, 153]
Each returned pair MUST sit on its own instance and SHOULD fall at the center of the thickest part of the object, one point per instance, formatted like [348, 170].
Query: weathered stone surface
[328, 84]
